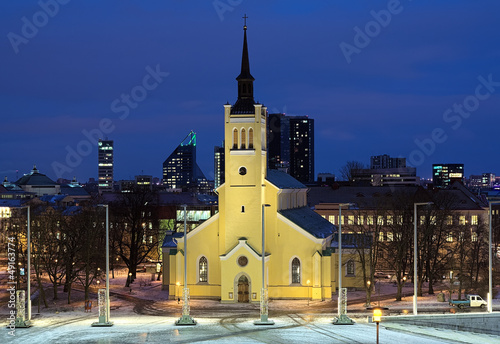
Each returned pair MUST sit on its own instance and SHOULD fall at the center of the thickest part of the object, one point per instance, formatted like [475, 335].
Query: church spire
[245, 79]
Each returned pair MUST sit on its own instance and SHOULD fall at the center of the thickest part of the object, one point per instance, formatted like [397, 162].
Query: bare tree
[366, 231]
[49, 244]
[346, 171]
[135, 228]
[398, 245]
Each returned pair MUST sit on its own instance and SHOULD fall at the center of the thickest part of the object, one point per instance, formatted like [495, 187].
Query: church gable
[242, 244]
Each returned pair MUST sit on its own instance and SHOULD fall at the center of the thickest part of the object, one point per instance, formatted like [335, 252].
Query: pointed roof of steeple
[245, 102]
[245, 63]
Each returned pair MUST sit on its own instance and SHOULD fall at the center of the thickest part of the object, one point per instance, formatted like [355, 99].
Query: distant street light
[490, 264]
[415, 257]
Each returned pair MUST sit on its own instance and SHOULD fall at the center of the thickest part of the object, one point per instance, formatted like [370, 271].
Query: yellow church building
[224, 254]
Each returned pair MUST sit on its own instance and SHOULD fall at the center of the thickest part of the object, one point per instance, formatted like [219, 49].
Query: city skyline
[399, 78]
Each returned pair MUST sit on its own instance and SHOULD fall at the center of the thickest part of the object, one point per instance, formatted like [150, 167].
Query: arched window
[243, 139]
[250, 138]
[295, 270]
[349, 267]
[203, 269]
[235, 138]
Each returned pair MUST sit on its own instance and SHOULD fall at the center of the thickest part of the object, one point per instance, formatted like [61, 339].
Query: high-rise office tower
[385, 161]
[291, 145]
[219, 165]
[105, 168]
[302, 148]
[278, 138]
[446, 174]
[180, 170]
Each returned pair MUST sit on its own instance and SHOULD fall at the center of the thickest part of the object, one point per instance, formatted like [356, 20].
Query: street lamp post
[185, 319]
[342, 318]
[29, 265]
[104, 319]
[264, 304]
[415, 280]
[490, 262]
[22, 321]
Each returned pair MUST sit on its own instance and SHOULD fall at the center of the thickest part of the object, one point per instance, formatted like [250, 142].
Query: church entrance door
[243, 294]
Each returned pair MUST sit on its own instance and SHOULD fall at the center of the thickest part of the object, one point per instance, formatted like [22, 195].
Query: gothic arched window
[203, 269]
[235, 138]
[250, 138]
[295, 270]
[243, 139]
[350, 268]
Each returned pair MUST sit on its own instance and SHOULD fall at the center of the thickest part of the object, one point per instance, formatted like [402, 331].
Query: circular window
[242, 261]
[243, 171]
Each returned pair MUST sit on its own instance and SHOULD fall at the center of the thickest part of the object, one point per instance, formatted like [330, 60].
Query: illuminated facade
[385, 161]
[302, 148]
[219, 166]
[180, 170]
[105, 168]
[225, 252]
[291, 145]
[444, 175]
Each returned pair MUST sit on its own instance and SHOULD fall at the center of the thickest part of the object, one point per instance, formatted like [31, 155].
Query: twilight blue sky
[424, 84]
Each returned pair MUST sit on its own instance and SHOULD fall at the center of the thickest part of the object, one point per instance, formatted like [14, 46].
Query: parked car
[470, 301]
[380, 274]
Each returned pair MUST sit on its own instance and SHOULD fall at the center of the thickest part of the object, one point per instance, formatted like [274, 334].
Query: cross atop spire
[245, 18]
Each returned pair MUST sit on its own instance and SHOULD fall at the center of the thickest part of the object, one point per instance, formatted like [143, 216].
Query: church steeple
[245, 80]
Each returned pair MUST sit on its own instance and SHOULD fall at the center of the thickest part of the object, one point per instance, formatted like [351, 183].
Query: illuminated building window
[390, 237]
[331, 218]
[203, 269]
[369, 220]
[243, 139]
[449, 238]
[381, 236]
[295, 270]
[342, 220]
[474, 236]
[361, 220]
[422, 219]
[250, 138]
[235, 139]
[350, 220]
[380, 220]
[449, 220]
[389, 220]
[461, 220]
[474, 220]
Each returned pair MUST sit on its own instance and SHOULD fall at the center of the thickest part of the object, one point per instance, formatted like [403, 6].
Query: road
[234, 328]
